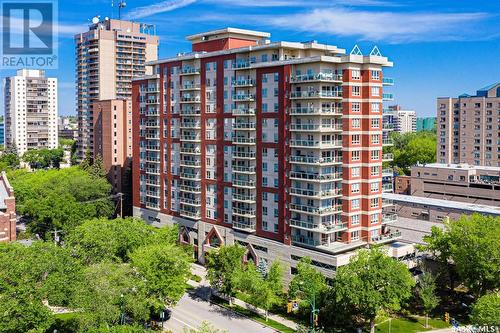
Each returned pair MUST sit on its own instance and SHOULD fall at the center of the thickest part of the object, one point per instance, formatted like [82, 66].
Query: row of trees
[371, 282]
[108, 272]
[469, 249]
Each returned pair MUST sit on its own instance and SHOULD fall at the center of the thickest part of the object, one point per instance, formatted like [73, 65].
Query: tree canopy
[222, 264]
[412, 148]
[9, 161]
[373, 281]
[472, 243]
[60, 199]
[486, 311]
[43, 158]
[308, 283]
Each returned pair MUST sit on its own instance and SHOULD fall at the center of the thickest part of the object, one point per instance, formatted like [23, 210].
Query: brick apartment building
[468, 128]
[273, 145]
[113, 141]
[7, 210]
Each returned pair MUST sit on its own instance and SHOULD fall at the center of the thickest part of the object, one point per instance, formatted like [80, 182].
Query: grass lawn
[409, 324]
[271, 323]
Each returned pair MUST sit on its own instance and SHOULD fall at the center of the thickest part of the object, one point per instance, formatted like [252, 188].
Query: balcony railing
[250, 213]
[244, 112]
[387, 157]
[386, 237]
[245, 198]
[244, 125]
[244, 83]
[315, 160]
[243, 183]
[387, 81]
[316, 210]
[387, 142]
[389, 218]
[315, 176]
[244, 97]
[243, 140]
[314, 193]
[244, 169]
[387, 187]
[315, 111]
[318, 227]
[315, 94]
[248, 226]
[316, 143]
[243, 154]
[387, 97]
[190, 70]
[322, 76]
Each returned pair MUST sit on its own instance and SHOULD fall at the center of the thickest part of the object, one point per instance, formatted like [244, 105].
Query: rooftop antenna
[121, 4]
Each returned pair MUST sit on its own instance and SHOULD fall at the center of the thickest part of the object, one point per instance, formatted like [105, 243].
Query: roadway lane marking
[184, 323]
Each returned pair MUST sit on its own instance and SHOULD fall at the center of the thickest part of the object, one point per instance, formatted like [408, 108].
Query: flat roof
[228, 30]
[463, 166]
[464, 206]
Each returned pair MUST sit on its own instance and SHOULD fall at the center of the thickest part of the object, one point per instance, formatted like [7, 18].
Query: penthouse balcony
[315, 111]
[244, 83]
[389, 218]
[388, 237]
[320, 194]
[245, 225]
[319, 77]
[189, 71]
[318, 211]
[316, 127]
[318, 144]
[318, 227]
[244, 112]
[315, 160]
[301, 175]
[316, 94]
[387, 81]
[387, 97]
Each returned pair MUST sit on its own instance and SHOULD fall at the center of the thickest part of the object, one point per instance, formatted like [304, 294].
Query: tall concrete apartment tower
[273, 145]
[398, 120]
[108, 56]
[30, 111]
[468, 128]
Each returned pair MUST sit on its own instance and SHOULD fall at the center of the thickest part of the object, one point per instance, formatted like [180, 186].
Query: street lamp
[122, 314]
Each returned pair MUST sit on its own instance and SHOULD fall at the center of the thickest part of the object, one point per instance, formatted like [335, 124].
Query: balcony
[244, 155]
[192, 189]
[322, 228]
[300, 175]
[387, 172]
[300, 239]
[190, 175]
[310, 111]
[387, 187]
[195, 151]
[153, 171]
[243, 141]
[389, 218]
[244, 169]
[190, 86]
[244, 97]
[387, 157]
[387, 97]
[387, 142]
[248, 213]
[244, 198]
[152, 124]
[190, 99]
[152, 147]
[190, 124]
[154, 194]
[387, 81]
[241, 64]
[192, 138]
[248, 126]
[315, 94]
[152, 101]
[189, 71]
[316, 144]
[243, 183]
[243, 83]
[247, 226]
[244, 112]
[388, 127]
[321, 77]
[190, 112]
[315, 160]
[191, 202]
[190, 214]
[316, 127]
[333, 209]
[190, 163]
[386, 237]
[336, 192]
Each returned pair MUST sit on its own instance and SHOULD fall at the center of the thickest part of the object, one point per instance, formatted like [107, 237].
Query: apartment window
[374, 187]
[356, 123]
[374, 203]
[356, 74]
[355, 171]
[355, 156]
[375, 139]
[356, 90]
[374, 218]
[355, 203]
[355, 139]
[375, 91]
[375, 154]
[375, 75]
[375, 170]
[376, 107]
[355, 235]
[355, 188]
[355, 219]
[355, 106]
[375, 122]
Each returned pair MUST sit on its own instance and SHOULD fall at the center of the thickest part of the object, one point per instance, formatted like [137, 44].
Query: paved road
[192, 310]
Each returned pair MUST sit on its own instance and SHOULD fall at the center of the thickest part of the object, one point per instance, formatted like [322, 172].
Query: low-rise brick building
[7, 211]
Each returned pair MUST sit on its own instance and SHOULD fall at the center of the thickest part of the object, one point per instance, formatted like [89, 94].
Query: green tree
[427, 293]
[87, 161]
[166, 268]
[205, 327]
[371, 282]
[111, 294]
[97, 170]
[308, 284]
[412, 148]
[101, 239]
[486, 311]
[472, 243]
[265, 290]
[9, 161]
[222, 264]
[60, 199]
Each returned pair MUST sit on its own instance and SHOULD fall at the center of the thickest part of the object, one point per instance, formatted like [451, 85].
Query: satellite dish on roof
[95, 20]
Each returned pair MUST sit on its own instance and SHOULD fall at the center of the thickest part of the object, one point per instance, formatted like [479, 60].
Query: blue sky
[439, 47]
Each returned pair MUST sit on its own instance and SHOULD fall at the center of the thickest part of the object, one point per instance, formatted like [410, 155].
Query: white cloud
[161, 7]
[299, 3]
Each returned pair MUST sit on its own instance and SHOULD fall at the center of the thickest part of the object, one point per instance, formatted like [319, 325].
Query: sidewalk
[204, 291]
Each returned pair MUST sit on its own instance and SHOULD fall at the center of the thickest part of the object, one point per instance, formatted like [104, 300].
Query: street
[192, 310]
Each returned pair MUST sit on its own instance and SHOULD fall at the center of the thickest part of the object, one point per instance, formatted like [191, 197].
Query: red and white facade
[276, 144]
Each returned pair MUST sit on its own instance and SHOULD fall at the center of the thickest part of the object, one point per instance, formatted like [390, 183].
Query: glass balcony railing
[387, 81]
[322, 76]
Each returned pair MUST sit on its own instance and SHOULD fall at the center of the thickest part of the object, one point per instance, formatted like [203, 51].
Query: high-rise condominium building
[398, 120]
[273, 145]
[468, 128]
[30, 111]
[108, 56]
[113, 140]
[426, 124]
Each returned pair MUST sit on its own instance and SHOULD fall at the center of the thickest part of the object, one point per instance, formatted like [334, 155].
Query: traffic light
[447, 317]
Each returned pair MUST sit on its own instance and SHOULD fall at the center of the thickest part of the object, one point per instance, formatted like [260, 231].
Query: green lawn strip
[408, 325]
[252, 315]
